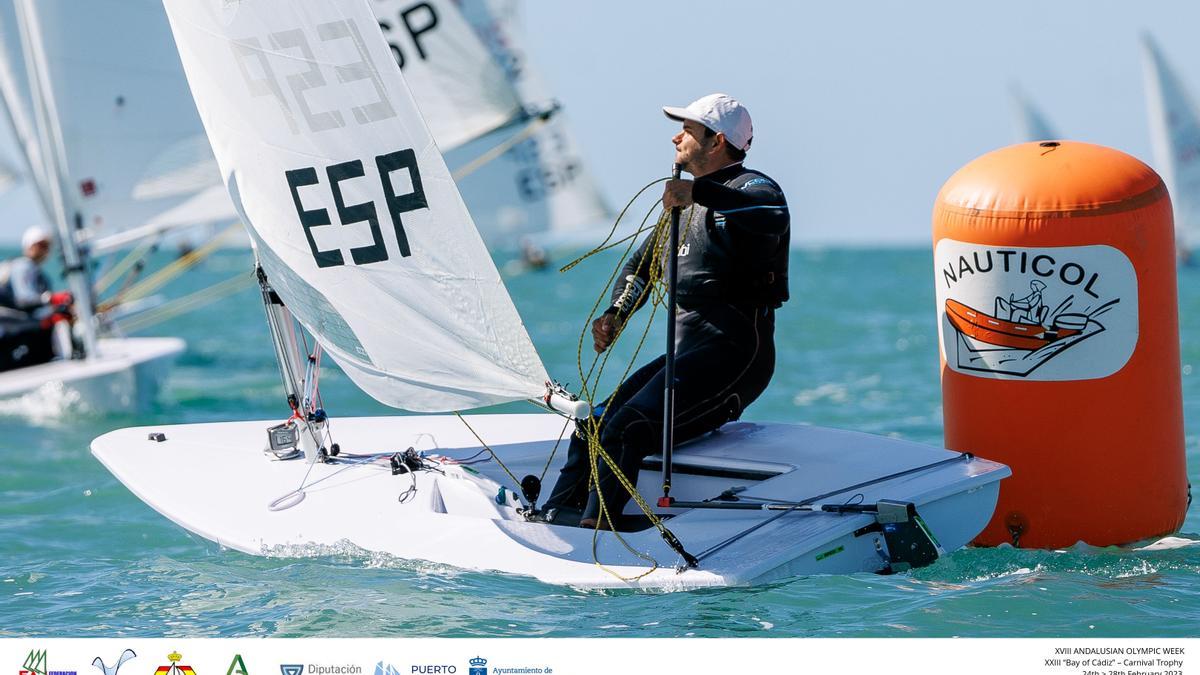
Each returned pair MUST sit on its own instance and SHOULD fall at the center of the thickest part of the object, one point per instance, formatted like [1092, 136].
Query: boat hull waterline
[454, 518]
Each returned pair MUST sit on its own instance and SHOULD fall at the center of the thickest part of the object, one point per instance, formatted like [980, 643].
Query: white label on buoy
[1041, 314]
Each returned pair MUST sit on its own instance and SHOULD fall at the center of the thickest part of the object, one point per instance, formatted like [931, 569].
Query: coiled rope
[654, 292]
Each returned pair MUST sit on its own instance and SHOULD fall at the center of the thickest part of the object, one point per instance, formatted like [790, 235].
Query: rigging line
[550, 459]
[966, 456]
[135, 256]
[169, 271]
[187, 303]
[474, 165]
[305, 485]
[489, 449]
[604, 245]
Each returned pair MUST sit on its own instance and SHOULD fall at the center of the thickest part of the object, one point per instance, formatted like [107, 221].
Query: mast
[297, 379]
[53, 157]
[668, 444]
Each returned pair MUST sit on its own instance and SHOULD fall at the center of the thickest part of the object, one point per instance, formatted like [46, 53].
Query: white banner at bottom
[596, 656]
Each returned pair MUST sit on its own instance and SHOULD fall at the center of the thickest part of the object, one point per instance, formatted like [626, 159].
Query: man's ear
[722, 144]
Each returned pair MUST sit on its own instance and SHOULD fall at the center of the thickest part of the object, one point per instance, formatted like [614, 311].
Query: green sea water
[857, 349]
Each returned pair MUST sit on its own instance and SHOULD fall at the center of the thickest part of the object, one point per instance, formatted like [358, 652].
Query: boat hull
[453, 518]
[124, 377]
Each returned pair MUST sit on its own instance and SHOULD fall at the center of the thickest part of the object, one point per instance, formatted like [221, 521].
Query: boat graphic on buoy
[1026, 339]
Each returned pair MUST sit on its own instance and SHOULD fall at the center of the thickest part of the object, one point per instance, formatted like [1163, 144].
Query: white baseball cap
[34, 235]
[721, 113]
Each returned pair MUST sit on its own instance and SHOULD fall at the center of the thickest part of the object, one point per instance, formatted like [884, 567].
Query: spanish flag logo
[174, 668]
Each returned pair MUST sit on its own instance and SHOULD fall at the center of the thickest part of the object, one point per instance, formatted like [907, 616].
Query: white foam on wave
[1169, 544]
[48, 403]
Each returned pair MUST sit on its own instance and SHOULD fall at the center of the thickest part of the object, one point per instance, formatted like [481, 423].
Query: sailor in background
[30, 313]
[733, 261]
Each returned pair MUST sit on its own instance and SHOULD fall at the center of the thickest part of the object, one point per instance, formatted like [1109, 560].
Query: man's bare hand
[677, 193]
[604, 331]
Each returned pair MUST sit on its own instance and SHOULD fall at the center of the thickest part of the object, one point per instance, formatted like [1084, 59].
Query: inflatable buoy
[1057, 313]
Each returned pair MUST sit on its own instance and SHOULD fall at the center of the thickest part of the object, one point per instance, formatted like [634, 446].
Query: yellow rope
[655, 293]
[496, 457]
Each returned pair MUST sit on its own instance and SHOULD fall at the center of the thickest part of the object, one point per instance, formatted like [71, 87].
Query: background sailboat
[541, 185]
[362, 237]
[84, 146]
[1030, 122]
[1175, 141]
[503, 135]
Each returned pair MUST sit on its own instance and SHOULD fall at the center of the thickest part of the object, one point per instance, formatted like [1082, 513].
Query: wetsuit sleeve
[758, 206]
[29, 286]
[630, 291]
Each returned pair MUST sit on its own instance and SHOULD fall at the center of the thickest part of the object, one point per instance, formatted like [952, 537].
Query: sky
[861, 109]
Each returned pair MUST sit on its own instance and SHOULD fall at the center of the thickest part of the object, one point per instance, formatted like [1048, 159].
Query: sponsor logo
[175, 668]
[291, 669]
[237, 666]
[1040, 314]
[35, 664]
[478, 666]
[427, 669]
[112, 670]
[334, 669]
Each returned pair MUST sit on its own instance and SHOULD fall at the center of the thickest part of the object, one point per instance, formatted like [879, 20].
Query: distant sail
[1031, 123]
[355, 218]
[18, 103]
[131, 143]
[1175, 141]
[466, 97]
[542, 184]
[461, 90]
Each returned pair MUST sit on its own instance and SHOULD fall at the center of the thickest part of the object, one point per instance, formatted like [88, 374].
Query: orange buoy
[1055, 272]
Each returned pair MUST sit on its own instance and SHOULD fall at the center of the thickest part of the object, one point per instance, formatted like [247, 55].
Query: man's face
[693, 148]
[37, 252]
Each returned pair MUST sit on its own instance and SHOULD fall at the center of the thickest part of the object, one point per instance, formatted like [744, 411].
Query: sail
[1175, 141]
[541, 183]
[461, 90]
[18, 103]
[1031, 123]
[131, 143]
[353, 214]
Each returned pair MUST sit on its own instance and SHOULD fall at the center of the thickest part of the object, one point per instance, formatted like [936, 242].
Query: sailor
[1028, 309]
[29, 310]
[732, 276]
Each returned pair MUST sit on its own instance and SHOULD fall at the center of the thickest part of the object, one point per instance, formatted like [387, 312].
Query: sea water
[857, 349]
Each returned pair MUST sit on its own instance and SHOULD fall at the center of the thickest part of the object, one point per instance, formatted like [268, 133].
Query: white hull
[214, 480]
[124, 377]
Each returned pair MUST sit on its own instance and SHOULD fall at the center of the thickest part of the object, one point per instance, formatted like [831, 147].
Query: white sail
[1175, 141]
[1032, 125]
[541, 184]
[18, 103]
[353, 213]
[123, 111]
[461, 90]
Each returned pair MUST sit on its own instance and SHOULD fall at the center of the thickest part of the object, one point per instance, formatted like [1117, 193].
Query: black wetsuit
[732, 277]
[24, 341]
